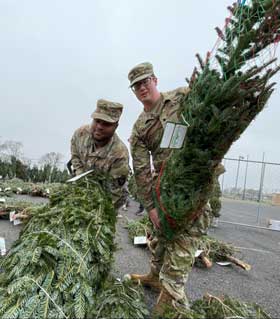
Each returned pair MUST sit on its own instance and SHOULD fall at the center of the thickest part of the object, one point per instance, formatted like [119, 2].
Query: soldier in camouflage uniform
[171, 260]
[215, 199]
[97, 146]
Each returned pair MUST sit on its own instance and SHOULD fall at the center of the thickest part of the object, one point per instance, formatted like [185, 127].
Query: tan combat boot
[164, 305]
[168, 307]
[149, 280]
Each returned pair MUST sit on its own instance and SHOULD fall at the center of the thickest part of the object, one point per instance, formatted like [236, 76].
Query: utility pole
[261, 180]
[260, 191]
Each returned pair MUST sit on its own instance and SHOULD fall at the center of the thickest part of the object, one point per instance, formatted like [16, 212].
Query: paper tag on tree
[74, 179]
[17, 222]
[223, 263]
[140, 240]
[198, 253]
[174, 135]
[12, 216]
[3, 250]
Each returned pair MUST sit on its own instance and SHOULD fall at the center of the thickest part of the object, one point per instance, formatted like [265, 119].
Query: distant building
[276, 199]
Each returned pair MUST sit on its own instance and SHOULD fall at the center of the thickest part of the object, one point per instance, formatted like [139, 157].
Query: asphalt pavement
[258, 247]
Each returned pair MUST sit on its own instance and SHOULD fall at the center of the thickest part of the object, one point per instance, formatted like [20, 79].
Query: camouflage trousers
[172, 261]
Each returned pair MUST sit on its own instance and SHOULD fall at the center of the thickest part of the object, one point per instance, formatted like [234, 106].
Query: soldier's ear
[155, 80]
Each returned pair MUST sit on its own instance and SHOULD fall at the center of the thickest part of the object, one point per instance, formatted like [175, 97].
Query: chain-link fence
[251, 191]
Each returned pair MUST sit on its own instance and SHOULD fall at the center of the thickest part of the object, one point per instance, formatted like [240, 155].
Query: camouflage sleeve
[119, 173]
[78, 167]
[179, 93]
[142, 170]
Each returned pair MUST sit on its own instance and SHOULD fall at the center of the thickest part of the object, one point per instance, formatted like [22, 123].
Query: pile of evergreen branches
[140, 227]
[62, 257]
[226, 307]
[215, 250]
[120, 300]
[17, 206]
[18, 186]
[223, 101]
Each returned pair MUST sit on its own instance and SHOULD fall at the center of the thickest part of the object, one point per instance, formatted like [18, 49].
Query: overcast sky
[58, 57]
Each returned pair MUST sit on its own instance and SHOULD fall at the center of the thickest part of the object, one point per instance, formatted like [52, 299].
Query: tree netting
[228, 91]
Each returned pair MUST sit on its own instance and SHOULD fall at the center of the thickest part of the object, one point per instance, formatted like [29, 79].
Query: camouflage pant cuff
[177, 291]
[155, 268]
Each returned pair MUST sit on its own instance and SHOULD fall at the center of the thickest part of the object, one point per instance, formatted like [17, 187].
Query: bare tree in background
[51, 160]
[10, 149]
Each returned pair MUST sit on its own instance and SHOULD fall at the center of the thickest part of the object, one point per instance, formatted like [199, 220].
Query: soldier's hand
[154, 217]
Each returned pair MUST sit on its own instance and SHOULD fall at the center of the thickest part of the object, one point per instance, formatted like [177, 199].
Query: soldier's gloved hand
[154, 217]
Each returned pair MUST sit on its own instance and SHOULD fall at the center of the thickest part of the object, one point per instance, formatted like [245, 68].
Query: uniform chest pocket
[148, 125]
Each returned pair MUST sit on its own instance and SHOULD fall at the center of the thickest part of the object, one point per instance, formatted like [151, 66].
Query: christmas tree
[226, 95]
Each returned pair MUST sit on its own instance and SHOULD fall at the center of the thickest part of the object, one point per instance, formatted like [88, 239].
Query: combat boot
[163, 306]
[149, 280]
[167, 307]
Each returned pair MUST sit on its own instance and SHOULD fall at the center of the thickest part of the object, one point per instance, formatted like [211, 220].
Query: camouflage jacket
[145, 142]
[113, 159]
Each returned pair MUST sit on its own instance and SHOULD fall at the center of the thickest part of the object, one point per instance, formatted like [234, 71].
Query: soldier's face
[146, 90]
[102, 130]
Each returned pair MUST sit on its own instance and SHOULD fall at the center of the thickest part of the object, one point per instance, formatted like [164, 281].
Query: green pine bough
[223, 101]
[12, 205]
[222, 307]
[226, 307]
[120, 300]
[140, 227]
[63, 257]
[18, 186]
[214, 250]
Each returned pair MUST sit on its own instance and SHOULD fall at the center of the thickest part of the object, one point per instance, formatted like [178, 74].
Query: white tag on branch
[19, 190]
[198, 253]
[274, 224]
[12, 216]
[74, 179]
[140, 240]
[3, 250]
[174, 135]
[17, 222]
[223, 263]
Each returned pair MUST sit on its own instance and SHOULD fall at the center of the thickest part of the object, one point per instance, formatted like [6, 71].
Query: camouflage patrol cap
[140, 72]
[107, 111]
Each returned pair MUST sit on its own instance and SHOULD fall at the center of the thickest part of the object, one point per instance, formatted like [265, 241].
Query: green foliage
[62, 257]
[218, 307]
[18, 186]
[17, 206]
[120, 300]
[226, 307]
[139, 227]
[223, 101]
[215, 249]
[15, 168]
